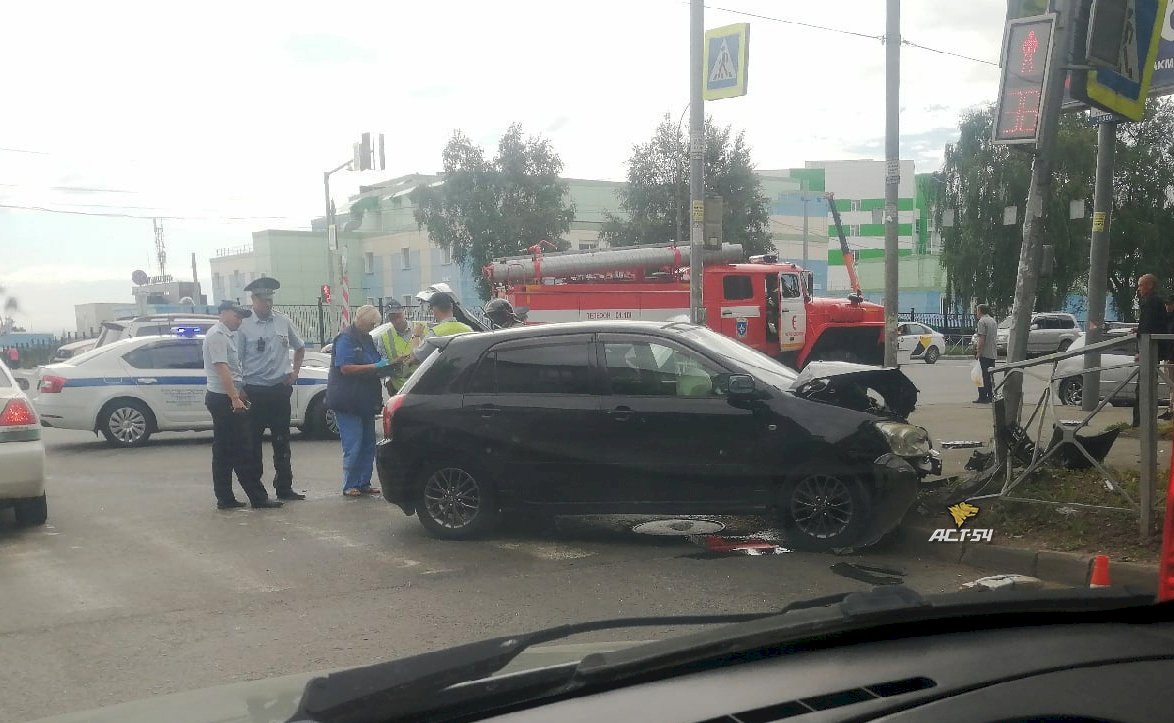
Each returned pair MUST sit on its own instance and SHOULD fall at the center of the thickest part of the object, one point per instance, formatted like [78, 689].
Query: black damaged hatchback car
[643, 417]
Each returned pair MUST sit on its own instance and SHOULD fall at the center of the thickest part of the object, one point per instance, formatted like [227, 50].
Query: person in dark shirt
[1151, 319]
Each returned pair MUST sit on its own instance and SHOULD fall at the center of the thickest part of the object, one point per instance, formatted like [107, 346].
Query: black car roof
[535, 331]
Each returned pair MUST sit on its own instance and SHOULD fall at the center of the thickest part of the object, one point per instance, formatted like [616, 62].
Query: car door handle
[146, 380]
[621, 413]
[488, 410]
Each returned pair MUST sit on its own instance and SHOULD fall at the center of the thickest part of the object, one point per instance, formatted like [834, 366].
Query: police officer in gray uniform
[266, 339]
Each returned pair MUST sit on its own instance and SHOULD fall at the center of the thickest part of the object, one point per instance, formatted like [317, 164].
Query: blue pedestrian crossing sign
[727, 50]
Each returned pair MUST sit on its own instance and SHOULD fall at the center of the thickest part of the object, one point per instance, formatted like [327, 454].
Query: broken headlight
[906, 440]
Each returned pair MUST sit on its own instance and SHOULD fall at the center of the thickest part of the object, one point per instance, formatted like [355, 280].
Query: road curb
[1065, 568]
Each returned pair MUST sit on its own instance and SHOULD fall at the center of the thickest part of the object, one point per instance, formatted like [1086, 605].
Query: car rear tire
[823, 511]
[932, 355]
[126, 423]
[31, 513]
[320, 421]
[1072, 391]
[455, 500]
[1064, 345]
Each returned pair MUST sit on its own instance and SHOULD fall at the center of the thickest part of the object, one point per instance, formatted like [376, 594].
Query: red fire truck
[764, 303]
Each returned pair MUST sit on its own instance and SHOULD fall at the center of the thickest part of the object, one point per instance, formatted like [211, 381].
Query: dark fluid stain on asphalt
[871, 574]
[679, 528]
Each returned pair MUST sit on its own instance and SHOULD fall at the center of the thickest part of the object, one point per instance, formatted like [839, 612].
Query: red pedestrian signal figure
[1030, 46]
[326, 293]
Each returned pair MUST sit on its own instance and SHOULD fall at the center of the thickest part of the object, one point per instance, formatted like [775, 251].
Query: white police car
[132, 388]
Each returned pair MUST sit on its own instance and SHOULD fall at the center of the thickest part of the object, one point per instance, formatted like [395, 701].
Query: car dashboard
[1111, 671]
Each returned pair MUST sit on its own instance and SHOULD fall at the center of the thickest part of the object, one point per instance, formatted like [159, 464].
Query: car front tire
[32, 512]
[932, 355]
[126, 423]
[823, 511]
[455, 500]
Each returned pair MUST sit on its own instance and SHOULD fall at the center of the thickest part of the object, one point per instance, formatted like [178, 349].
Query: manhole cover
[679, 527]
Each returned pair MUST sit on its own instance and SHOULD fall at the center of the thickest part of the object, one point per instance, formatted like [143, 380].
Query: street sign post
[1135, 34]
[1026, 61]
[727, 50]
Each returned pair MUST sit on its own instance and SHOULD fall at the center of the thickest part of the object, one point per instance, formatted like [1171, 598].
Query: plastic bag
[976, 374]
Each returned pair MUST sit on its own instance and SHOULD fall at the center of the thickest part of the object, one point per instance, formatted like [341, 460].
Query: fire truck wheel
[823, 510]
[455, 500]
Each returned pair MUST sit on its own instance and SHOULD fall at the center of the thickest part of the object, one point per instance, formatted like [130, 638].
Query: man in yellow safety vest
[442, 311]
[396, 345]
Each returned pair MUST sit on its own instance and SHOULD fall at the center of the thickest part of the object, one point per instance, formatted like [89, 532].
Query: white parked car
[1070, 387]
[132, 388]
[22, 456]
[918, 342]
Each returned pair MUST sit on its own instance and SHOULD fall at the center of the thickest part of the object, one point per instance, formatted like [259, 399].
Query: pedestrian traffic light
[325, 293]
[1027, 54]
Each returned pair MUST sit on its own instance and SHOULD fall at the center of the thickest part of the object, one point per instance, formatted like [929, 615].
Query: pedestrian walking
[227, 403]
[986, 351]
[445, 324]
[353, 392]
[265, 340]
[396, 344]
[1151, 319]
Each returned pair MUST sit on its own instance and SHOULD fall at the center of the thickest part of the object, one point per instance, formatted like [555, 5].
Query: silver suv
[1050, 332]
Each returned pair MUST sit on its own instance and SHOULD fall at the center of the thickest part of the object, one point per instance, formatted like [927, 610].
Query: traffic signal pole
[1041, 181]
[696, 160]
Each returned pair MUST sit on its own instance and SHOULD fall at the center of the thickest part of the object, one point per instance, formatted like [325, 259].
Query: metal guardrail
[1145, 370]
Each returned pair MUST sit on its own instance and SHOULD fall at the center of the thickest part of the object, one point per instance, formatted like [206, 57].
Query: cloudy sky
[224, 115]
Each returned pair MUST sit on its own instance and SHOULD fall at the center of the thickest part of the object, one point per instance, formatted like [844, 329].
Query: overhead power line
[841, 31]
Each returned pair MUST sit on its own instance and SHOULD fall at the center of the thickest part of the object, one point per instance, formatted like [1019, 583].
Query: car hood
[276, 699]
[846, 384]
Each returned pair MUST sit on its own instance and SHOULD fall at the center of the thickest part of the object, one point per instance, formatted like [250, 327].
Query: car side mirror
[742, 385]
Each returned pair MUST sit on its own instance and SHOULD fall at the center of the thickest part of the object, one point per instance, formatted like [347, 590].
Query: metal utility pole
[805, 200]
[1041, 180]
[696, 160]
[1098, 260]
[892, 171]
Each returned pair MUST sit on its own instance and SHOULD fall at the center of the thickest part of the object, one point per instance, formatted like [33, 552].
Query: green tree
[979, 180]
[488, 208]
[656, 196]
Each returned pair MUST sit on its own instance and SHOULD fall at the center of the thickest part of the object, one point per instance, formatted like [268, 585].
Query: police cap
[263, 287]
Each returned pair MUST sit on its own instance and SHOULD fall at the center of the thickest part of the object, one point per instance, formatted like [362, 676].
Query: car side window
[1067, 323]
[737, 288]
[642, 368]
[178, 354]
[550, 368]
[789, 286]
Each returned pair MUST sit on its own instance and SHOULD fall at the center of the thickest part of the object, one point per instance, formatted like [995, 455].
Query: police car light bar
[186, 332]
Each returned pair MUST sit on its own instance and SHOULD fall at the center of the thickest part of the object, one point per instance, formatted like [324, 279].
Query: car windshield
[251, 475]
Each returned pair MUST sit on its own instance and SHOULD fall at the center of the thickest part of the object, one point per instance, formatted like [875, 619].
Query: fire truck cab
[771, 306]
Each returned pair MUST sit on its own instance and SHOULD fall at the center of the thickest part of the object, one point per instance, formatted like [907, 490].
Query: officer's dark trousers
[271, 411]
[232, 443]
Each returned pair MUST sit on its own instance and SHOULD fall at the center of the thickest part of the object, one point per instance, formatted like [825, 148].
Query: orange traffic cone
[1100, 572]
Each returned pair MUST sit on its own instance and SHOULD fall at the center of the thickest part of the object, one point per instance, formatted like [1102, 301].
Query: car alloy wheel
[1072, 392]
[452, 498]
[931, 355]
[332, 422]
[126, 424]
[821, 506]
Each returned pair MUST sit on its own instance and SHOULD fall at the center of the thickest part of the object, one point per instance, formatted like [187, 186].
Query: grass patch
[1070, 529]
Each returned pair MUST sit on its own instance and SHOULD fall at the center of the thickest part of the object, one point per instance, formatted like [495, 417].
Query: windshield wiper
[403, 686]
[439, 684]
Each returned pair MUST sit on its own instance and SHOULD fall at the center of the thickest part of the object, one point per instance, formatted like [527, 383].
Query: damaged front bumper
[897, 483]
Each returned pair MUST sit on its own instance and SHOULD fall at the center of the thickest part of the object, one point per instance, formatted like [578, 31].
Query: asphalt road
[948, 381]
[140, 587]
